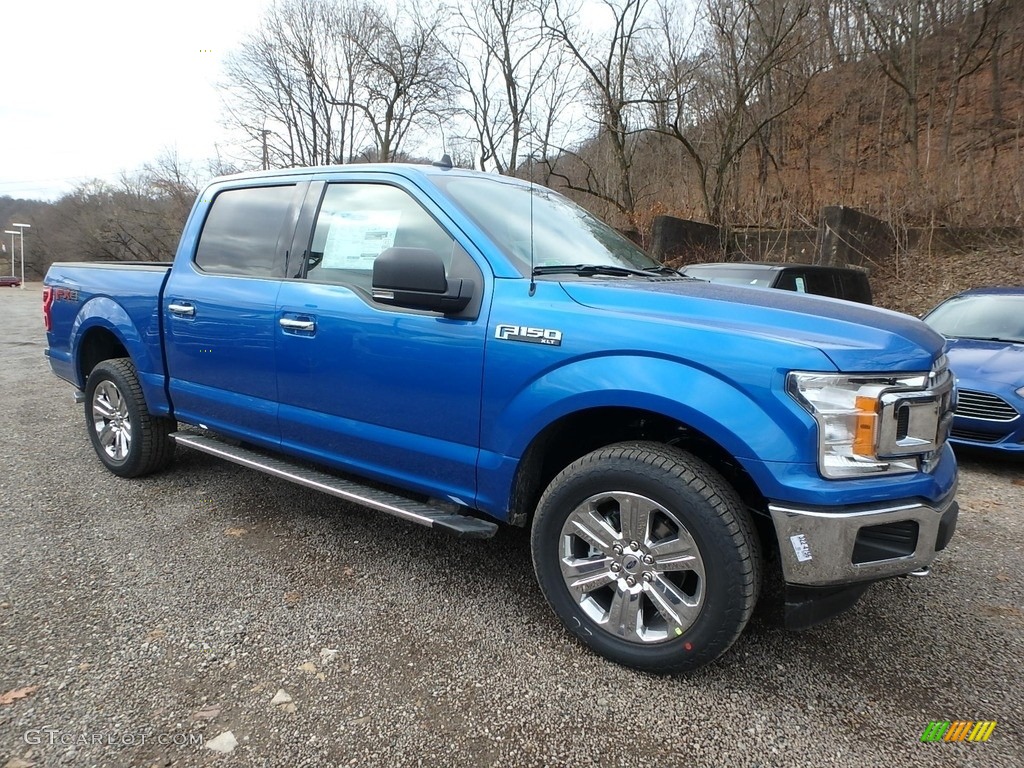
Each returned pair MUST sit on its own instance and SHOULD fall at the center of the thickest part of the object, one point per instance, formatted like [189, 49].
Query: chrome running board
[300, 474]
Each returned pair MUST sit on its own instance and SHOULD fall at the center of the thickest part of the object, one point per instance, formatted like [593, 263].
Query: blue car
[985, 329]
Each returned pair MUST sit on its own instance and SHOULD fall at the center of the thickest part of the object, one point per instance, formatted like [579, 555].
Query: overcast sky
[94, 88]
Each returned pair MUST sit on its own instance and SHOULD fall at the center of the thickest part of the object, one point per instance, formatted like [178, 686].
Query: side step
[392, 504]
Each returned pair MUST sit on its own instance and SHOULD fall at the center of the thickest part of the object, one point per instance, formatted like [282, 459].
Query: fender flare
[738, 419]
[106, 314]
[748, 420]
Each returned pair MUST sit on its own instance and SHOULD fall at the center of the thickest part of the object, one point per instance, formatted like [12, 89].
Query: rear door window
[242, 230]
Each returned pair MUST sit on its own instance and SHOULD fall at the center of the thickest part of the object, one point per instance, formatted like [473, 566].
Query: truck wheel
[128, 440]
[647, 556]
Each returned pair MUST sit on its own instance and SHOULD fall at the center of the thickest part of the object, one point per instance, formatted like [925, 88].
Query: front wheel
[128, 439]
[647, 556]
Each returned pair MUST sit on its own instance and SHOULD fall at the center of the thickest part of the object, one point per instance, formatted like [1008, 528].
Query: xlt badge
[548, 336]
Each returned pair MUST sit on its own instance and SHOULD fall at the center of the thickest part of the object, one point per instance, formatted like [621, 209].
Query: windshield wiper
[587, 270]
[661, 269]
[990, 338]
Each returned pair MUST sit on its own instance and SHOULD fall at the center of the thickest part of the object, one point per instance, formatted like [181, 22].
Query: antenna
[533, 282]
[533, 149]
[444, 143]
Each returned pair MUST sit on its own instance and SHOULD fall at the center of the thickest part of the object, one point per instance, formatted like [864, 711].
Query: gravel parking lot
[141, 619]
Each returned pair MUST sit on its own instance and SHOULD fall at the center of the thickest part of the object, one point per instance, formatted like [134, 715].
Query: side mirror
[415, 278]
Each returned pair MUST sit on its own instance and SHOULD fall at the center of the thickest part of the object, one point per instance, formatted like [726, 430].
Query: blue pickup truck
[462, 350]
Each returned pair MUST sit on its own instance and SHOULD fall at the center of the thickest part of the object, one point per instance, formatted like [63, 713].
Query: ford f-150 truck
[462, 350]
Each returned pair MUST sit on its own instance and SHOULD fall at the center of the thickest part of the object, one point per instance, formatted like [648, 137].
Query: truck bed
[123, 296]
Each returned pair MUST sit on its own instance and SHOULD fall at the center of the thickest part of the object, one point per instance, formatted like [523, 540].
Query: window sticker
[356, 238]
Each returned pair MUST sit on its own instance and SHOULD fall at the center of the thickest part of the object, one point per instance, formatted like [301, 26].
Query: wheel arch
[734, 418]
[577, 433]
[97, 344]
[103, 330]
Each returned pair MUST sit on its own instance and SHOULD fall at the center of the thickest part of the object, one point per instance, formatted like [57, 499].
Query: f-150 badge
[548, 336]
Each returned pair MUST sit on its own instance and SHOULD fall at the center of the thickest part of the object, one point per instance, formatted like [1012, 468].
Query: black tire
[682, 611]
[128, 440]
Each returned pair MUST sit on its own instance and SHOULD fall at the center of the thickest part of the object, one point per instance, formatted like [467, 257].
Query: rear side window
[241, 232]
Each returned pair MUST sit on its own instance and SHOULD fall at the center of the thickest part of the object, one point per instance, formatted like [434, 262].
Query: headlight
[1021, 391]
[859, 415]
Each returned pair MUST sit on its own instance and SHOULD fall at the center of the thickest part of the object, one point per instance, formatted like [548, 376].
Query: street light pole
[12, 233]
[22, 228]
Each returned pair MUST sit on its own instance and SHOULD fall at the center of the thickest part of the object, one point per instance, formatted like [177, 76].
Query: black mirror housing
[415, 278]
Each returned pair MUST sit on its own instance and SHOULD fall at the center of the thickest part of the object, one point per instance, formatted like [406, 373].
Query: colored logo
[958, 730]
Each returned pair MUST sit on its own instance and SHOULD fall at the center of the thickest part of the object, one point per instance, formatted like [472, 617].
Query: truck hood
[855, 337]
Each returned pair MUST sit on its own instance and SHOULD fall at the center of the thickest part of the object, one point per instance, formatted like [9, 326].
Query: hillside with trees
[735, 112]
[748, 111]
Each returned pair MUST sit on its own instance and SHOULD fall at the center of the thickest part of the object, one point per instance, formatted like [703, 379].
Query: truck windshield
[563, 234]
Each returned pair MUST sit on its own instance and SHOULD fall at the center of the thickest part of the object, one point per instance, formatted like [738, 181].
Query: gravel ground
[151, 614]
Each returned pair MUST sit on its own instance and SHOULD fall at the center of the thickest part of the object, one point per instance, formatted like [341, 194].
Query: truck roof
[424, 169]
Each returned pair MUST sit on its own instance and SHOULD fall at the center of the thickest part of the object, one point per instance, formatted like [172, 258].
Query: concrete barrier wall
[681, 241]
[849, 238]
[844, 238]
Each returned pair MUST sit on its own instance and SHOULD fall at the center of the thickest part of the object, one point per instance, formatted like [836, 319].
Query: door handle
[186, 310]
[297, 325]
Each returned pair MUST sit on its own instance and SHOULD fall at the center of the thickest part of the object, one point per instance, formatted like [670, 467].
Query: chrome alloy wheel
[632, 566]
[111, 420]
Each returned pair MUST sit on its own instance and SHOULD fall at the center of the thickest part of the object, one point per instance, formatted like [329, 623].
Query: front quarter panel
[724, 385]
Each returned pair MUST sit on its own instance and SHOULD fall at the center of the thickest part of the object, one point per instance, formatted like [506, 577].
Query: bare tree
[551, 125]
[138, 219]
[837, 26]
[172, 179]
[616, 91]
[719, 99]
[403, 77]
[975, 34]
[489, 115]
[895, 30]
[147, 211]
[286, 84]
[503, 61]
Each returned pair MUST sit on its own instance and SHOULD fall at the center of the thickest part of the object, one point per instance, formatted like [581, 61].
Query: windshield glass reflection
[562, 232]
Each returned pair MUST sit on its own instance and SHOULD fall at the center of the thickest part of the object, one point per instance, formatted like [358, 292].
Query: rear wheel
[647, 556]
[128, 439]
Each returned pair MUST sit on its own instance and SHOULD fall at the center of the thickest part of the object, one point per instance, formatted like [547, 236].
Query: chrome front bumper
[827, 547]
